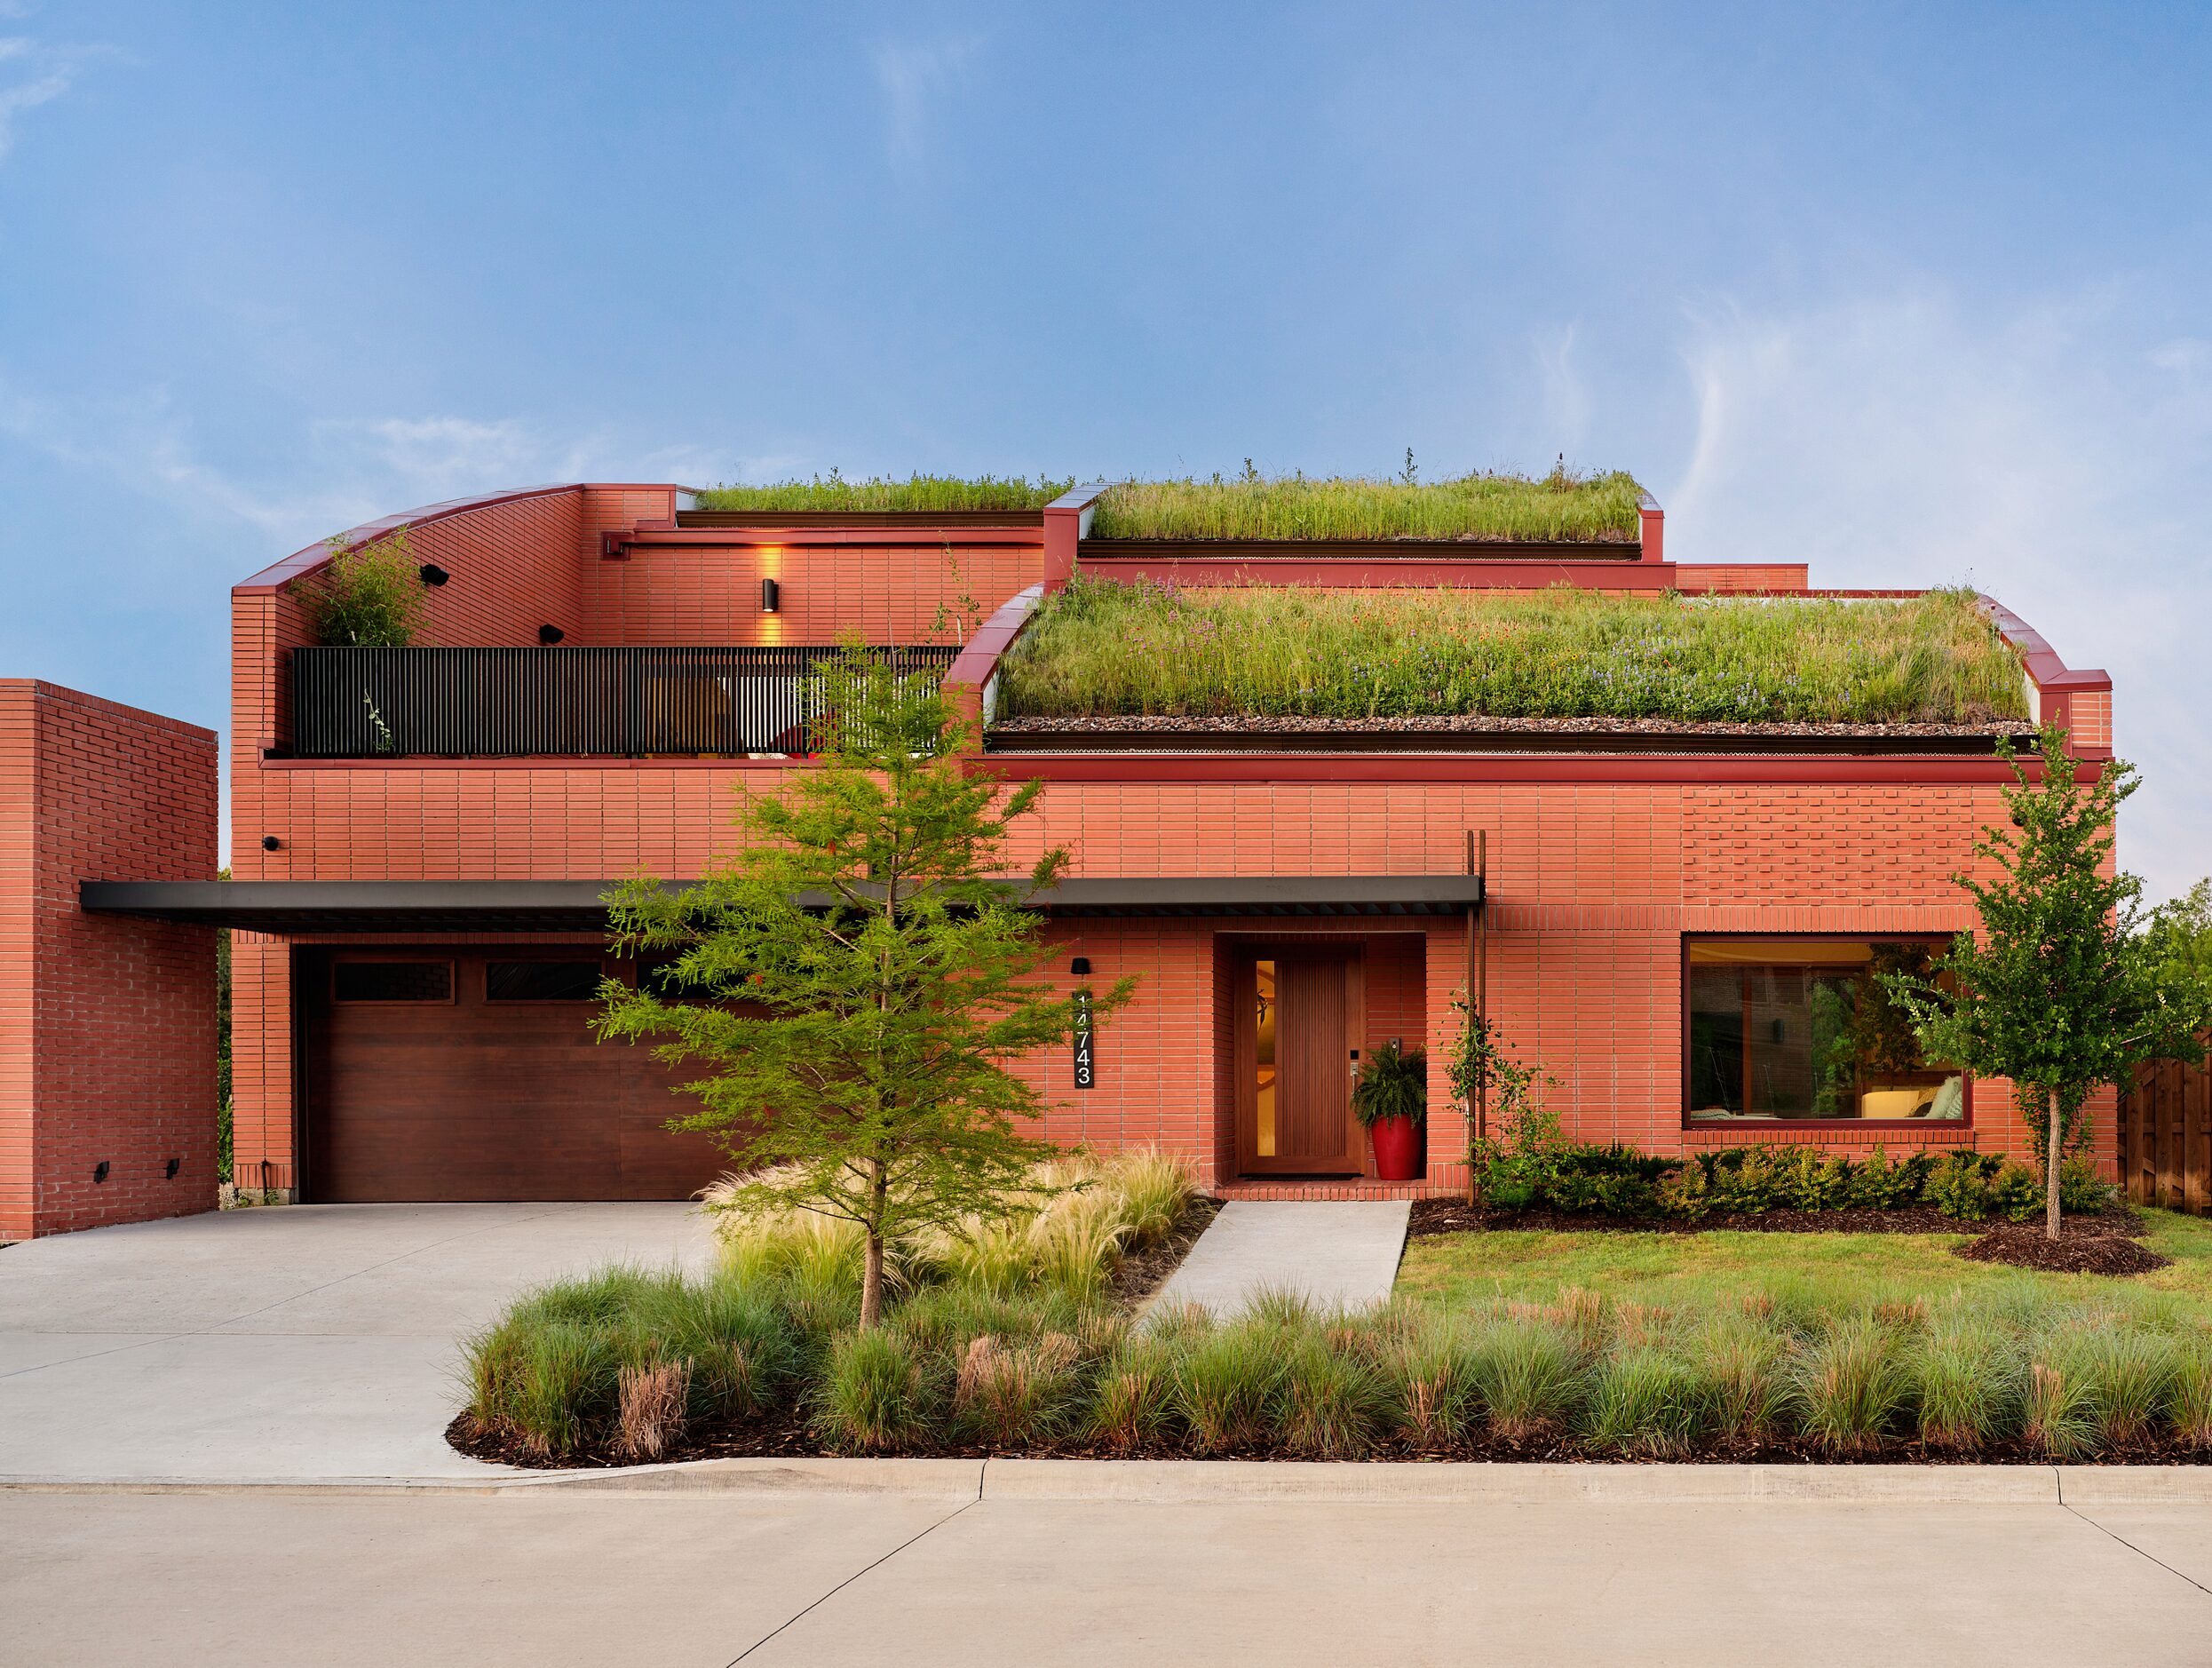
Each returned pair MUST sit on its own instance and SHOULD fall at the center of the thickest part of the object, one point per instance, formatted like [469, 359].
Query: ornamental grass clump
[1102, 649]
[1645, 1400]
[2127, 1373]
[1850, 1387]
[1228, 1385]
[1741, 1359]
[2189, 1412]
[1439, 1395]
[877, 1394]
[2060, 1416]
[1133, 1402]
[1969, 1380]
[1565, 506]
[1337, 1400]
[1011, 1395]
[833, 493]
[1527, 1371]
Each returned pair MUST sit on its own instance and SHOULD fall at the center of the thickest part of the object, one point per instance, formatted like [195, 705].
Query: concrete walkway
[311, 1341]
[1336, 1253]
[816, 1577]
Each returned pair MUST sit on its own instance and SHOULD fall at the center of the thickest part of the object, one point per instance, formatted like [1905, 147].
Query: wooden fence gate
[2166, 1137]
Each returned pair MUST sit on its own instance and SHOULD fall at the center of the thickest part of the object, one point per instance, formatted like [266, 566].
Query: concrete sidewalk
[310, 1341]
[809, 1576]
[1336, 1253]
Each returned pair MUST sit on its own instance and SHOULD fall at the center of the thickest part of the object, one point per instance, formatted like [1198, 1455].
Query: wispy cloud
[2044, 453]
[915, 78]
[31, 74]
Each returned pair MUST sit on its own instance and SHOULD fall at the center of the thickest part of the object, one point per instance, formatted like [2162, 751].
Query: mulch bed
[1141, 1274]
[2107, 1243]
[2085, 1246]
[785, 1436]
[1456, 1216]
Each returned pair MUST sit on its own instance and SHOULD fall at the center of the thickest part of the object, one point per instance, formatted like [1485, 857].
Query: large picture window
[1788, 1029]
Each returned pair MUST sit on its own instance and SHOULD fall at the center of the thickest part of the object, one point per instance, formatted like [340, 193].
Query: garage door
[472, 1074]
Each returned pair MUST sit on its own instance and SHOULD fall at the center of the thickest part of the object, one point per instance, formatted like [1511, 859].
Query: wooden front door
[1298, 1036]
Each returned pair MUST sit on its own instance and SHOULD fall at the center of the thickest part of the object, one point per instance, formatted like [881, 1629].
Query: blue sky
[1918, 293]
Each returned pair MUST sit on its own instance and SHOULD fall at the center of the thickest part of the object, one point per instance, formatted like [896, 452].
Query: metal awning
[507, 906]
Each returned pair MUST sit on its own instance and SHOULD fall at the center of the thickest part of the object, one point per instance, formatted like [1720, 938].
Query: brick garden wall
[107, 1024]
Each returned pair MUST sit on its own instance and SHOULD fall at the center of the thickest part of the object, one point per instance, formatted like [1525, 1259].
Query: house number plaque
[1086, 1058]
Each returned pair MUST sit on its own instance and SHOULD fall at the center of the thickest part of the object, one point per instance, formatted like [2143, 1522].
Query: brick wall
[107, 1024]
[1593, 887]
[711, 594]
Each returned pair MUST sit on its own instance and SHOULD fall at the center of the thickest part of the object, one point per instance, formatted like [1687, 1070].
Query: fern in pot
[1391, 1100]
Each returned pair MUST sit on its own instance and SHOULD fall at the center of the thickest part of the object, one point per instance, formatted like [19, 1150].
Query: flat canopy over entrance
[467, 905]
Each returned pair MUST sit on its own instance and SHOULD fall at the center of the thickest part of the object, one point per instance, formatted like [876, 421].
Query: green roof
[1562, 507]
[1102, 649]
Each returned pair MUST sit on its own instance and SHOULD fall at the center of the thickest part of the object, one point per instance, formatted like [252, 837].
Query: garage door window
[541, 980]
[392, 981]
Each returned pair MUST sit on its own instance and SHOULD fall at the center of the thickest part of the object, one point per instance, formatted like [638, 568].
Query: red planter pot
[1397, 1150]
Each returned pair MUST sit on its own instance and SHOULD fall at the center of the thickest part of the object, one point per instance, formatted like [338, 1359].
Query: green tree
[867, 976]
[2180, 931]
[369, 597]
[2062, 991]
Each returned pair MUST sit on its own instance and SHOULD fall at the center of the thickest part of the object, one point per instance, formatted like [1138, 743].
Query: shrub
[2081, 1189]
[1811, 1181]
[1685, 1192]
[1849, 1386]
[874, 1393]
[1526, 1370]
[1748, 1181]
[1228, 1386]
[1958, 1185]
[367, 597]
[2016, 1193]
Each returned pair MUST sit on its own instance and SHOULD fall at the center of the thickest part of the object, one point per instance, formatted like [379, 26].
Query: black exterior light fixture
[1079, 967]
[771, 597]
[550, 635]
[174, 1165]
[433, 575]
[99, 1172]
[270, 842]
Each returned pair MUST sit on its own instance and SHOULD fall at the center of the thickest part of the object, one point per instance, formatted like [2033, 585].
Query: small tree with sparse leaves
[368, 597]
[2062, 991]
[868, 977]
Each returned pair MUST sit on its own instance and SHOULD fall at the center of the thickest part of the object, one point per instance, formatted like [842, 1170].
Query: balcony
[619, 703]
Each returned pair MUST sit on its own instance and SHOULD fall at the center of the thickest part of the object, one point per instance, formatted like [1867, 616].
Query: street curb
[1268, 1482]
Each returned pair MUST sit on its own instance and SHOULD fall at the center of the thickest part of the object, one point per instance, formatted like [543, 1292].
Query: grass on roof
[834, 493]
[1563, 506]
[1099, 649]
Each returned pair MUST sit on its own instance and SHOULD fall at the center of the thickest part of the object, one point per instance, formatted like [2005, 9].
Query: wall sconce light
[771, 597]
[550, 635]
[433, 575]
[175, 1165]
[270, 842]
[1079, 967]
[99, 1170]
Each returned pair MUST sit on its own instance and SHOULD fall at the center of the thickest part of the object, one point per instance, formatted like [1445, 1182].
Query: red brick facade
[107, 1023]
[1599, 867]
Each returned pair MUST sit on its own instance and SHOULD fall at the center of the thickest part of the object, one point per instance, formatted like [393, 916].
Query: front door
[1298, 1041]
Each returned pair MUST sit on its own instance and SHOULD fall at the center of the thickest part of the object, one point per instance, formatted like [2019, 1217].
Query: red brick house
[418, 926]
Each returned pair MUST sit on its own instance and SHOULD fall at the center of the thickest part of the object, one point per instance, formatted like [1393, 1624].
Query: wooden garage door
[471, 1074]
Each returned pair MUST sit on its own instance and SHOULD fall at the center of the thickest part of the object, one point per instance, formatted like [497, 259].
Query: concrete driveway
[311, 1341]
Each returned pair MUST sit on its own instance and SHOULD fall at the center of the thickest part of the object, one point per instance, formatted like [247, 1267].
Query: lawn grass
[1842, 1272]
[1563, 507]
[1099, 648]
[833, 493]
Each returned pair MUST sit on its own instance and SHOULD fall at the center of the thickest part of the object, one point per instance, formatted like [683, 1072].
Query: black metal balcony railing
[479, 703]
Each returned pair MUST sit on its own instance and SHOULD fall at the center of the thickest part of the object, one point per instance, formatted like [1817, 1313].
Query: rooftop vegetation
[1562, 506]
[834, 493]
[1103, 649]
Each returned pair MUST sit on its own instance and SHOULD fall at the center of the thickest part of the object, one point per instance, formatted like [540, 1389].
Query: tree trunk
[872, 1281]
[2050, 1167]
